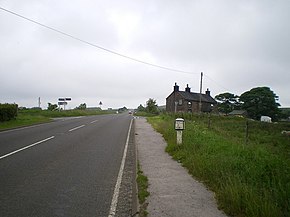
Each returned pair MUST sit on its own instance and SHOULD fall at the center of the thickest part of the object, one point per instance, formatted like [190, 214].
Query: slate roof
[195, 97]
[238, 112]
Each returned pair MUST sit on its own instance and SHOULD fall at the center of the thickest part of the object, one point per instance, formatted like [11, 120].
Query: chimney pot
[176, 87]
[207, 92]
[187, 89]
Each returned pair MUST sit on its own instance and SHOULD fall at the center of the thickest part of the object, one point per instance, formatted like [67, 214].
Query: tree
[141, 108]
[51, 107]
[227, 102]
[151, 106]
[260, 101]
[122, 109]
[82, 106]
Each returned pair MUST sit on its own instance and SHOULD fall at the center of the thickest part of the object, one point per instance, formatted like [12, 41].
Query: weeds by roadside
[142, 183]
[144, 114]
[30, 117]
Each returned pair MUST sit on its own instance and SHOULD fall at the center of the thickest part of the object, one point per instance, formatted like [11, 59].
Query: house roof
[238, 112]
[196, 97]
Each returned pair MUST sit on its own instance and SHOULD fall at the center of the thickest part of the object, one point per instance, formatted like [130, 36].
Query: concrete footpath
[173, 192]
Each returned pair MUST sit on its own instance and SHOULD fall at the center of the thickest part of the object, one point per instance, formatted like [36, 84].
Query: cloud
[237, 44]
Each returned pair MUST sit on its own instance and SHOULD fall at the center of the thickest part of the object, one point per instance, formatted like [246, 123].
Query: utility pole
[39, 103]
[200, 91]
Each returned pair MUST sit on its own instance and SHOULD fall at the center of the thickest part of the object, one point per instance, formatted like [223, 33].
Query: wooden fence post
[247, 132]
[209, 121]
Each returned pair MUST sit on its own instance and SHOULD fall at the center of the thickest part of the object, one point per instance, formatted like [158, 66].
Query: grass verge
[142, 184]
[250, 179]
[144, 114]
[30, 117]
[23, 120]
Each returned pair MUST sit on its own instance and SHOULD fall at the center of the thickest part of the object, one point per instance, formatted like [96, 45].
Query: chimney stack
[207, 92]
[187, 89]
[176, 88]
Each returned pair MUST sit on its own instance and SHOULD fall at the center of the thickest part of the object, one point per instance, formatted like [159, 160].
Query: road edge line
[114, 202]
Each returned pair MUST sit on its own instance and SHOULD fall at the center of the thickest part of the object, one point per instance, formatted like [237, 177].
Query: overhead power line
[94, 45]
[105, 49]
[227, 89]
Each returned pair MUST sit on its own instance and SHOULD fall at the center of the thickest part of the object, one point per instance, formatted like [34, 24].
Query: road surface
[65, 168]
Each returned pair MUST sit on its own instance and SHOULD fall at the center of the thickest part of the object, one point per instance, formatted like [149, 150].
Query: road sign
[62, 103]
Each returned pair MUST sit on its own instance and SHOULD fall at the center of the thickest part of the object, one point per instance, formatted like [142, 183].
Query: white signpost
[179, 127]
[63, 101]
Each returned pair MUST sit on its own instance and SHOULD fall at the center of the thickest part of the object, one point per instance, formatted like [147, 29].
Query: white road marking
[114, 202]
[76, 128]
[94, 121]
[29, 146]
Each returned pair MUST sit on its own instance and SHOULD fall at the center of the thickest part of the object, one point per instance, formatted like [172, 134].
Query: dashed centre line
[26, 147]
[76, 128]
[41, 141]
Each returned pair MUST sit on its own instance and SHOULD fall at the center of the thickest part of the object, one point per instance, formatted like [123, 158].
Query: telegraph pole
[200, 91]
[39, 103]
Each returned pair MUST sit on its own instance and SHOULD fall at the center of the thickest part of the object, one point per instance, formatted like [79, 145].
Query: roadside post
[179, 127]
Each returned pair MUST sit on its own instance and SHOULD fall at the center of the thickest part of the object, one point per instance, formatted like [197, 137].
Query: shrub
[8, 111]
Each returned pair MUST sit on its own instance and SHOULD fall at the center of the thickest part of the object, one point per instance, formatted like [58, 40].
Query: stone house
[187, 101]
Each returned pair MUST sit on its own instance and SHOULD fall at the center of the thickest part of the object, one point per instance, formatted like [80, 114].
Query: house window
[180, 102]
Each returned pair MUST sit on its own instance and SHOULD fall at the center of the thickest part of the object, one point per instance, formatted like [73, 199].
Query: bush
[8, 111]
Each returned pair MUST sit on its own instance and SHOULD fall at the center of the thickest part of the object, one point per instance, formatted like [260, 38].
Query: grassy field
[250, 178]
[30, 117]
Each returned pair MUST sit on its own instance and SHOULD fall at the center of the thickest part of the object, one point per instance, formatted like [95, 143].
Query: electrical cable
[227, 89]
[94, 45]
[103, 48]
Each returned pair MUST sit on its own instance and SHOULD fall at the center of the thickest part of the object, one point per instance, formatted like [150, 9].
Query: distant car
[130, 112]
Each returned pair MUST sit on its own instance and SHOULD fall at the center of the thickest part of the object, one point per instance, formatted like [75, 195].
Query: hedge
[8, 111]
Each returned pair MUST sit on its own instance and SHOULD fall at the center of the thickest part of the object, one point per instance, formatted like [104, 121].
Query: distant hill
[162, 107]
[285, 110]
[285, 114]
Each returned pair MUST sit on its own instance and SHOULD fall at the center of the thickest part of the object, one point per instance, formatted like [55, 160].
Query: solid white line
[94, 121]
[76, 128]
[114, 202]
[29, 146]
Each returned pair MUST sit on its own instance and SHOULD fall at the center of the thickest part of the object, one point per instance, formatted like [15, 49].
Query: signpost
[63, 101]
[179, 127]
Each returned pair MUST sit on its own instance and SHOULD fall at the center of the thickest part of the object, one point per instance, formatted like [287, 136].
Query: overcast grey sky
[238, 45]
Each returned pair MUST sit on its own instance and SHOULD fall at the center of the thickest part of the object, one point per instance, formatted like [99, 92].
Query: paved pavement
[173, 192]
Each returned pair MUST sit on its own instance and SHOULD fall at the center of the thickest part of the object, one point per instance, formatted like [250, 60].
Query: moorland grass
[249, 179]
[23, 120]
[35, 116]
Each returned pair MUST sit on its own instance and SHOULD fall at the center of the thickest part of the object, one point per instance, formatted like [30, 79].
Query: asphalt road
[65, 168]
